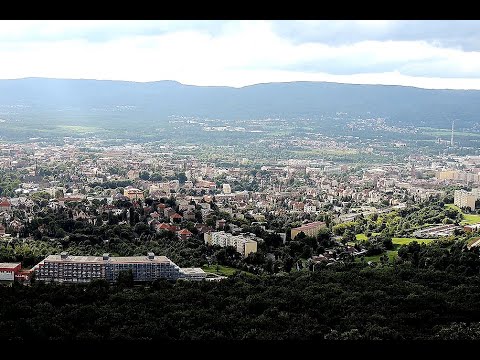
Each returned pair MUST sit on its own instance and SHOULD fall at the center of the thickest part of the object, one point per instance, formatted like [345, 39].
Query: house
[202, 228]
[163, 226]
[133, 193]
[176, 218]
[155, 215]
[189, 215]
[184, 234]
[168, 212]
[5, 205]
[2, 230]
[471, 227]
[220, 224]
[183, 205]
[298, 206]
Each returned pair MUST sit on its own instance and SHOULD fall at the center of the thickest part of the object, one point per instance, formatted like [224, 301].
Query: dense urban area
[283, 233]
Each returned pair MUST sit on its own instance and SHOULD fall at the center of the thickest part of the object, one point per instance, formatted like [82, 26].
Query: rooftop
[9, 265]
[99, 259]
[311, 225]
[193, 271]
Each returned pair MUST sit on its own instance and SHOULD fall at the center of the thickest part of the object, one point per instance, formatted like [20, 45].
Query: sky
[434, 54]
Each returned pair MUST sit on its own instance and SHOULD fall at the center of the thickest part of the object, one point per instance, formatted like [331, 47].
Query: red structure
[8, 271]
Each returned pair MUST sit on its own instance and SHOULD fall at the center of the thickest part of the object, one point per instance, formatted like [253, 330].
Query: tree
[144, 175]
[288, 263]
[125, 278]
[182, 178]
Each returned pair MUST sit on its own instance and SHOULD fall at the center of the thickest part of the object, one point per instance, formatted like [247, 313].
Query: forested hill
[101, 100]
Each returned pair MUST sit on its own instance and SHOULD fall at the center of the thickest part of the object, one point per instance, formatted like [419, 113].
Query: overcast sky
[429, 54]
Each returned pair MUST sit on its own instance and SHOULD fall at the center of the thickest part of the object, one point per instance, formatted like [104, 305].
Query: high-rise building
[463, 198]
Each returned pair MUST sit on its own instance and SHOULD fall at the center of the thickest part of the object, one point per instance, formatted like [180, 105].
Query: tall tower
[451, 139]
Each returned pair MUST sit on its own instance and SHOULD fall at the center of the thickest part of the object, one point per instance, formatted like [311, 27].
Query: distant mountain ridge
[102, 100]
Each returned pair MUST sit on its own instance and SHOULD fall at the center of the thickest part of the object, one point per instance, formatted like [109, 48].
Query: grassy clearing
[222, 270]
[397, 242]
[363, 237]
[467, 218]
[470, 219]
[405, 241]
[453, 206]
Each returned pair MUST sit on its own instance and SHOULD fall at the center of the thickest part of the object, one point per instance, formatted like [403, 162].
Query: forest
[432, 294]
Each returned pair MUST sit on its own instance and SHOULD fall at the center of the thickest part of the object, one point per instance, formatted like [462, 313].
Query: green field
[405, 241]
[222, 270]
[363, 237]
[470, 219]
[397, 242]
[467, 218]
[453, 206]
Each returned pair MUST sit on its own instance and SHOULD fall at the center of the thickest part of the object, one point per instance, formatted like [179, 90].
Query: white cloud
[242, 53]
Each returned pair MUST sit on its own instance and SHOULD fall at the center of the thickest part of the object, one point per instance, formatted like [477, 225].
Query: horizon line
[238, 87]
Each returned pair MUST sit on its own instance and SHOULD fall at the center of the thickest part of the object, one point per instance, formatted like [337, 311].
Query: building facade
[81, 269]
[310, 229]
[8, 271]
[133, 193]
[244, 243]
[463, 198]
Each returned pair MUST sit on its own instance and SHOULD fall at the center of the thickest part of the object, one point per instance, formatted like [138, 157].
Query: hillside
[86, 101]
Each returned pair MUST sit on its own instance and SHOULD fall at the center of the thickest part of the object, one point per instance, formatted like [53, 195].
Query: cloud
[239, 53]
[462, 34]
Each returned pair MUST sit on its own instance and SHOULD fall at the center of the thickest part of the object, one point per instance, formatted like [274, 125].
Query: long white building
[66, 268]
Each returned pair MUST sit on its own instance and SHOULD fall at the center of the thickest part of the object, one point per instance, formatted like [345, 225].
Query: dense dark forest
[422, 297]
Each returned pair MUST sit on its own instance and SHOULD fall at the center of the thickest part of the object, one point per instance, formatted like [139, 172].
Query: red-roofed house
[184, 234]
[163, 226]
[5, 205]
[176, 218]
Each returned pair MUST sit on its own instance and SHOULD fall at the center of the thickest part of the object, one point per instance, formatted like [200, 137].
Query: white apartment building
[244, 243]
[226, 189]
[463, 198]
